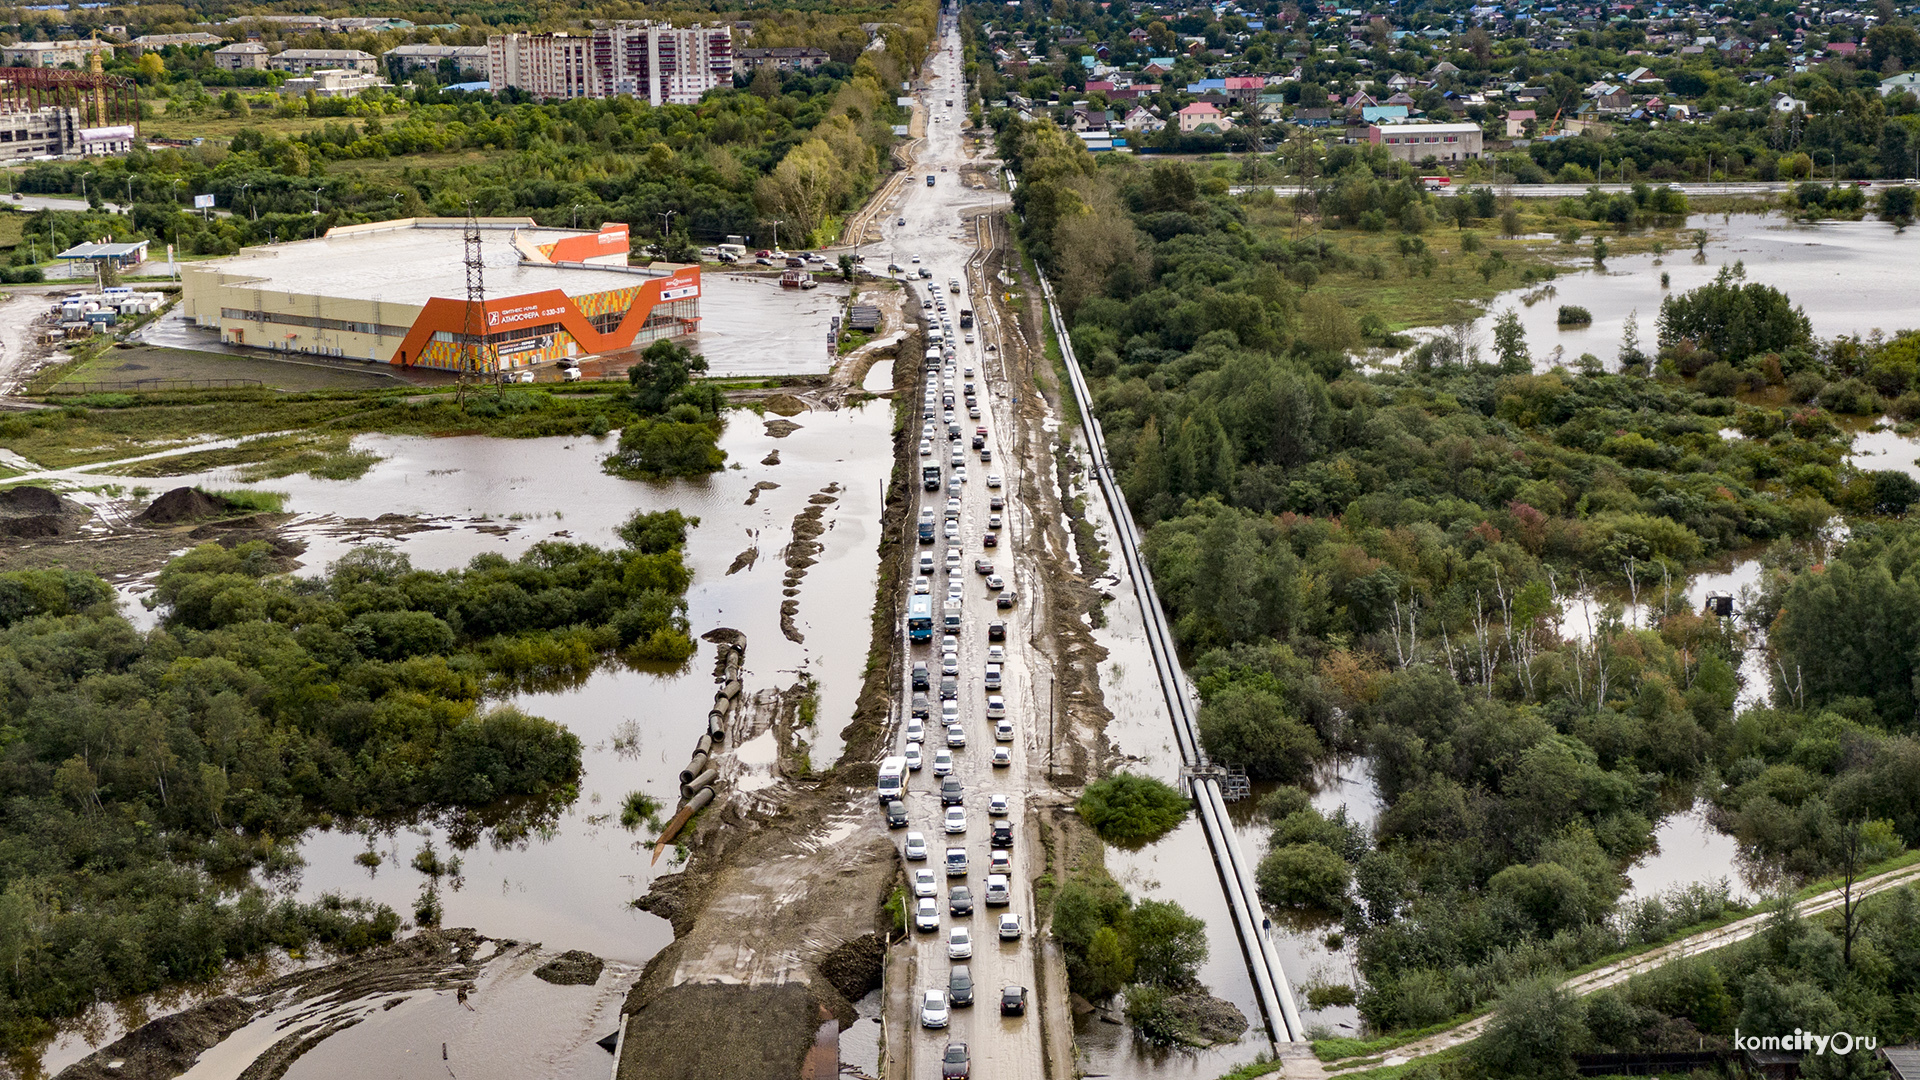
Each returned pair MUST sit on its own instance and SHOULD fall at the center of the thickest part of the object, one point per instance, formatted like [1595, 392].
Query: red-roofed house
[1202, 114]
[1244, 88]
[1842, 48]
[1517, 122]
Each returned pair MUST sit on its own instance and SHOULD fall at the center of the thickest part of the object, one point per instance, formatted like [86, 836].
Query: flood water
[571, 887]
[1850, 277]
[752, 326]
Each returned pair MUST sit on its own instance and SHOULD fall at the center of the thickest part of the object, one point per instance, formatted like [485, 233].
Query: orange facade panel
[543, 326]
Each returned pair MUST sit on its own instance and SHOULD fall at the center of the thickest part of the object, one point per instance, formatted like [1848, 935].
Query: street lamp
[316, 200]
[176, 185]
[576, 215]
[243, 191]
[83, 184]
[129, 191]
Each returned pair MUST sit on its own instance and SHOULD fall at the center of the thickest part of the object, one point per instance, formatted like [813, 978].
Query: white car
[996, 654]
[969, 370]
[922, 586]
[956, 736]
[926, 913]
[942, 762]
[950, 713]
[916, 258]
[933, 1009]
[956, 819]
[916, 731]
[1003, 730]
[912, 755]
[1009, 927]
[999, 861]
[960, 942]
[916, 846]
[993, 480]
[996, 706]
[925, 883]
[997, 806]
[1002, 757]
[995, 582]
[993, 521]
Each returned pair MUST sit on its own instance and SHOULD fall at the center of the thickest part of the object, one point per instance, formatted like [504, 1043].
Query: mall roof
[413, 260]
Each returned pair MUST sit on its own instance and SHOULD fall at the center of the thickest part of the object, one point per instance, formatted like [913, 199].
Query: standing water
[571, 884]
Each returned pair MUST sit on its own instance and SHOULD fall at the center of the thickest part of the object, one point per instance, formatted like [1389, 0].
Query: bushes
[1574, 315]
[1131, 810]
[1303, 876]
[1109, 941]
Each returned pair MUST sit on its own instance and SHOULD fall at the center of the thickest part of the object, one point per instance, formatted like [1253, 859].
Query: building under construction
[399, 292]
[59, 112]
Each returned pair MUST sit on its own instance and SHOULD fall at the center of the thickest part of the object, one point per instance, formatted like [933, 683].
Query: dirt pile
[34, 513]
[575, 967]
[184, 504]
[168, 1046]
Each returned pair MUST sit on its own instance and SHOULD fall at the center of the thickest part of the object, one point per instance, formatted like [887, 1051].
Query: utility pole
[1050, 712]
[471, 359]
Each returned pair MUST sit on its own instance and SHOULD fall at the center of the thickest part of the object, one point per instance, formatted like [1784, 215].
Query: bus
[920, 618]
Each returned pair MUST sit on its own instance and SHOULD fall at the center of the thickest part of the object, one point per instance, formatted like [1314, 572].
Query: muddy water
[752, 326]
[1849, 276]
[1883, 448]
[879, 378]
[1688, 850]
[571, 887]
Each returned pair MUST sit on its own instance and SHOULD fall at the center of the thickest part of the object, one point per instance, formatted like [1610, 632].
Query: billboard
[203, 202]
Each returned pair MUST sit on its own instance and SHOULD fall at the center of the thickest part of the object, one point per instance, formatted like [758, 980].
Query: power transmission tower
[473, 361]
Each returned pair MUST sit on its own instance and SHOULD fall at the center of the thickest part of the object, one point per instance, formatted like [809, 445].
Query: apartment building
[241, 56]
[53, 54]
[303, 61]
[657, 63]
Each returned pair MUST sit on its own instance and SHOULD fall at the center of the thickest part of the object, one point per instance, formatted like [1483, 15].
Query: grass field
[418, 162]
[219, 126]
[118, 366]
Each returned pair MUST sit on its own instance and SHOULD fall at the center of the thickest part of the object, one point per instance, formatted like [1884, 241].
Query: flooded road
[572, 886]
[1850, 277]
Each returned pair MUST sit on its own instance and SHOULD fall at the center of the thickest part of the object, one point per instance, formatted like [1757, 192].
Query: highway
[1557, 191]
[936, 235]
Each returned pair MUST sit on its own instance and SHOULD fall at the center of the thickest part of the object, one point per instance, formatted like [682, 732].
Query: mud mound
[37, 527]
[167, 1046]
[28, 499]
[183, 504]
[572, 968]
[855, 966]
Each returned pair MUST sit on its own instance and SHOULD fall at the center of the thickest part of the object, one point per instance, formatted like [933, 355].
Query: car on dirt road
[955, 1064]
[982, 566]
[995, 502]
[959, 943]
[993, 480]
[956, 736]
[995, 582]
[996, 706]
[952, 791]
[896, 814]
[1009, 927]
[999, 862]
[925, 883]
[960, 900]
[916, 846]
[933, 1009]
[912, 754]
[956, 819]
[960, 981]
[992, 679]
[990, 540]
[996, 631]
[926, 914]
[1002, 729]
[916, 731]
[1001, 757]
[997, 806]
[921, 676]
[942, 761]
[950, 713]
[996, 654]
[1006, 599]
[1013, 1001]
[1001, 834]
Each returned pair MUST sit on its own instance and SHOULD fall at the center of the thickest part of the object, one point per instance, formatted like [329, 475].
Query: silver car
[933, 1009]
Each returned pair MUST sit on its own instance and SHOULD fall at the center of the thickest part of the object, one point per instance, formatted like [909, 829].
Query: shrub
[1131, 810]
[1718, 380]
[1303, 876]
[639, 807]
[1574, 315]
[1851, 397]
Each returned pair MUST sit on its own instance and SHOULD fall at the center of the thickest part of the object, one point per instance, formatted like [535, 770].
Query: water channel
[572, 886]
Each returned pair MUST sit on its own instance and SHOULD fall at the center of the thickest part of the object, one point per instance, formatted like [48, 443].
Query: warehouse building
[396, 292]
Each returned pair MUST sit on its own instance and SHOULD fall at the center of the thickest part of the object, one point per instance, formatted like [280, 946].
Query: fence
[147, 386]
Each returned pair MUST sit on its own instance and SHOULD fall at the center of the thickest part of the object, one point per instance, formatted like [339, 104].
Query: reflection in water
[1884, 449]
[566, 875]
[1688, 850]
[1850, 277]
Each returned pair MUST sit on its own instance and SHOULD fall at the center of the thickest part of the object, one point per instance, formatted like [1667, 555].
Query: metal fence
[147, 386]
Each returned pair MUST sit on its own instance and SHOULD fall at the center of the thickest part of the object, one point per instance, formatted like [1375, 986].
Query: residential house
[1313, 118]
[1157, 66]
[160, 41]
[1907, 81]
[403, 60]
[1244, 88]
[53, 54]
[302, 61]
[333, 83]
[1842, 49]
[1085, 119]
[783, 58]
[1382, 114]
[1417, 142]
[1143, 121]
[1442, 70]
[1402, 99]
[1203, 116]
[1903, 1062]
[1136, 35]
[1517, 122]
[241, 56]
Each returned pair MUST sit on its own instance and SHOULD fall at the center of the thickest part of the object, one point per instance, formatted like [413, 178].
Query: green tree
[1733, 319]
[1169, 945]
[1130, 810]
[664, 371]
[1536, 1029]
[1109, 965]
[1303, 876]
[1510, 344]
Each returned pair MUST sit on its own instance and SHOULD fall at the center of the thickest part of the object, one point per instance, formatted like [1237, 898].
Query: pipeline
[1281, 1014]
[694, 768]
[705, 779]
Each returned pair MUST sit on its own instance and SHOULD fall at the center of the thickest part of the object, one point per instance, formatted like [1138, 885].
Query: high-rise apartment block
[659, 64]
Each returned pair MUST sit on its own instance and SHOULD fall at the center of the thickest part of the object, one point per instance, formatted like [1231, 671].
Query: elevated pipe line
[1279, 1011]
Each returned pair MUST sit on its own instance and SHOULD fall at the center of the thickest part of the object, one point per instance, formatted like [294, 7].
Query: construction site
[489, 295]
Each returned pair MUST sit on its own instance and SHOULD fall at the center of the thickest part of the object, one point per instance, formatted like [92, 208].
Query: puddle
[1688, 850]
[766, 330]
[879, 378]
[1886, 449]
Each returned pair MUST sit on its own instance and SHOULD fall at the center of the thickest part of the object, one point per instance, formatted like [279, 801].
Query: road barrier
[1280, 1013]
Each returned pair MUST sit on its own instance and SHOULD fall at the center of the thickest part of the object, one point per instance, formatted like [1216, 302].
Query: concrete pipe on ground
[705, 779]
[694, 768]
[703, 745]
[700, 799]
[732, 689]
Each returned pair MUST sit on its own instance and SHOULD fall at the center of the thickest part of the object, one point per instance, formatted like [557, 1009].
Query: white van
[893, 772]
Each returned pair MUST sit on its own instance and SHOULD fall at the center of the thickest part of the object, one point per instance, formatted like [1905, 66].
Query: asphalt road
[1000, 1047]
[1556, 191]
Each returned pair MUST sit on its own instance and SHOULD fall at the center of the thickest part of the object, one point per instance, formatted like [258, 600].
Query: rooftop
[413, 260]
